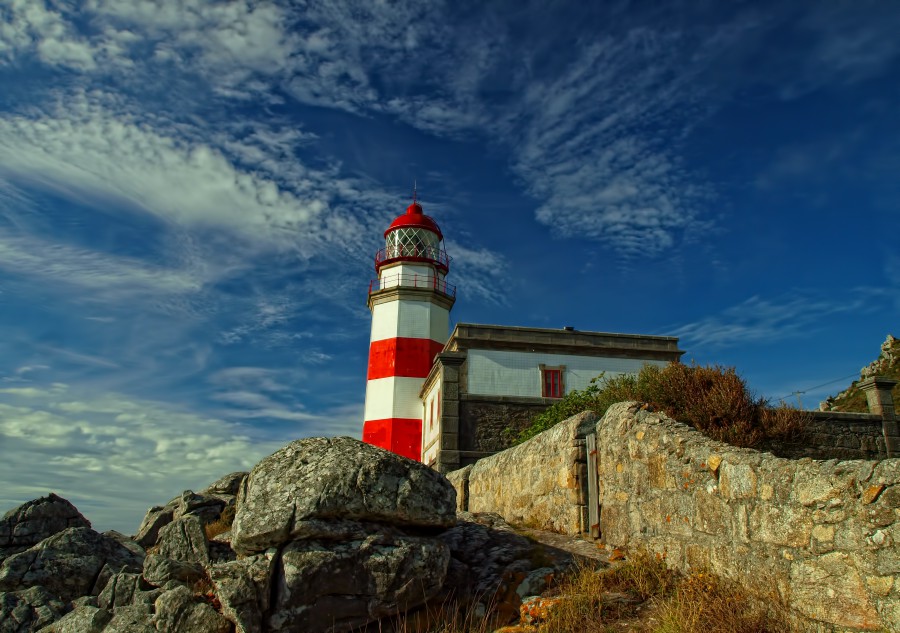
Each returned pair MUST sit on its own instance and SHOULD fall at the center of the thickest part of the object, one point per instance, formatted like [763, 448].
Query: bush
[712, 399]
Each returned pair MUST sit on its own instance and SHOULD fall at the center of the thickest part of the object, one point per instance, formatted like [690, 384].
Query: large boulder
[184, 540]
[125, 589]
[243, 589]
[32, 522]
[288, 494]
[75, 562]
[159, 570]
[227, 485]
[137, 618]
[83, 619]
[328, 586]
[179, 611]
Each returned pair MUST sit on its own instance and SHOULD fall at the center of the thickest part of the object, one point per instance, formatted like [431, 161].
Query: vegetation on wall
[887, 365]
[713, 399]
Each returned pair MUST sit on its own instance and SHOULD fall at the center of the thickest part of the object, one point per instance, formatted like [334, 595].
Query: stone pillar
[881, 402]
[448, 452]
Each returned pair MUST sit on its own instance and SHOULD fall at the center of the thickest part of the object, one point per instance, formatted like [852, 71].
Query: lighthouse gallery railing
[413, 280]
[418, 251]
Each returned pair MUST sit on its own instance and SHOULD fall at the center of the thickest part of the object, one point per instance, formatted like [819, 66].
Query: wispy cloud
[114, 457]
[761, 320]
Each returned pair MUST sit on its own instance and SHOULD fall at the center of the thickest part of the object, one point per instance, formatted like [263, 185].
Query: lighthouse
[410, 301]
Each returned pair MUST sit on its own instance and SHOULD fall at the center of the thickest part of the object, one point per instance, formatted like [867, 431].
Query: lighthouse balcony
[413, 280]
[413, 253]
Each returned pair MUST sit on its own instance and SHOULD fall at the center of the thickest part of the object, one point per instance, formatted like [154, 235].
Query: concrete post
[881, 402]
[448, 458]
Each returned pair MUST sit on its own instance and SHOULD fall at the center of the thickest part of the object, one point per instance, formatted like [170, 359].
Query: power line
[824, 384]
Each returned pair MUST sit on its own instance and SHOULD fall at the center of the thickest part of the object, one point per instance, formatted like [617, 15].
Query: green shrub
[713, 399]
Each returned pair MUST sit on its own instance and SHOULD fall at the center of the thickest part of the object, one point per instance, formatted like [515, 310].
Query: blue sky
[191, 194]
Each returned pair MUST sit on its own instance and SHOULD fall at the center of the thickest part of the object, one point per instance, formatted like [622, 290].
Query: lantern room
[413, 237]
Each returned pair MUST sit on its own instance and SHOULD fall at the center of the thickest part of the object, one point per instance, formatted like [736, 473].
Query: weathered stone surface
[336, 478]
[82, 620]
[127, 541]
[830, 588]
[823, 533]
[535, 483]
[184, 539]
[32, 522]
[488, 549]
[206, 506]
[137, 618]
[178, 611]
[227, 485]
[28, 610]
[154, 520]
[325, 586]
[243, 589]
[125, 589]
[159, 570]
[73, 563]
[459, 479]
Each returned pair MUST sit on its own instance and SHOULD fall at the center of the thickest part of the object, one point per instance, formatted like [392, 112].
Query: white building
[448, 402]
[490, 378]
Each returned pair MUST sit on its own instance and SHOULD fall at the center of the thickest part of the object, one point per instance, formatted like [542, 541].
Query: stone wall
[824, 534]
[538, 483]
[836, 435]
[484, 421]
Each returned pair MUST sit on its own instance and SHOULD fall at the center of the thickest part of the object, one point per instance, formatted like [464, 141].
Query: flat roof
[563, 340]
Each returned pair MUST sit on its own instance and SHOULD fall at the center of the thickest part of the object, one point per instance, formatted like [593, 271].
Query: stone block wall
[836, 435]
[488, 425]
[824, 534]
[539, 483]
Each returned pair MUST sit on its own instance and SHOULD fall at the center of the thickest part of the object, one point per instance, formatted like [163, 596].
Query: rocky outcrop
[75, 562]
[333, 534]
[296, 492]
[28, 610]
[32, 522]
[208, 505]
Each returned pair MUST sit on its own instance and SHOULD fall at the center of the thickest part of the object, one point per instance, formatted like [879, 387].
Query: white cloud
[90, 144]
[114, 457]
[58, 263]
[760, 320]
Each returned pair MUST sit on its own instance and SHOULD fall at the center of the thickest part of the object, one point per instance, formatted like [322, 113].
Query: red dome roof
[416, 219]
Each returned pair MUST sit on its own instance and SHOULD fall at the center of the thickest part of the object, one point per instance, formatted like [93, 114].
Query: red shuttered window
[551, 383]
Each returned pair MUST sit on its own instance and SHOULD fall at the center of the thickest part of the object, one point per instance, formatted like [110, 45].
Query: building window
[552, 382]
[431, 417]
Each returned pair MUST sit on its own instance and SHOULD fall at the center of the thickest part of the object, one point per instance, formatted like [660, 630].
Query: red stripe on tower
[410, 303]
[402, 357]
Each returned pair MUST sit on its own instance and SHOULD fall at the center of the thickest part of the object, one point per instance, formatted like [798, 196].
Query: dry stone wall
[538, 483]
[836, 435]
[824, 534]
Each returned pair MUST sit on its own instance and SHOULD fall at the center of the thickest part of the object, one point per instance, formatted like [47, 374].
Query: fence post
[881, 402]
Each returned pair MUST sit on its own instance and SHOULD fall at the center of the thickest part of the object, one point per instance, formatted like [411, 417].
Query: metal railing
[413, 280]
[398, 251]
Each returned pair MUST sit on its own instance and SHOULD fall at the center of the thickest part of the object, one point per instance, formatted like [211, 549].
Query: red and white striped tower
[410, 303]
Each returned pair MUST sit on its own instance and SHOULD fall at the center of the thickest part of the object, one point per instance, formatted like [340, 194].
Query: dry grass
[707, 603]
[222, 524]
[663, 602]
[640, 595]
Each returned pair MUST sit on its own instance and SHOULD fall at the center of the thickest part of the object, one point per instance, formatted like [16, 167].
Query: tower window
[552, 382]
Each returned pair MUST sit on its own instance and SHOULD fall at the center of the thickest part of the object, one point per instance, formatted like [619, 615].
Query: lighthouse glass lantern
[410, 301]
